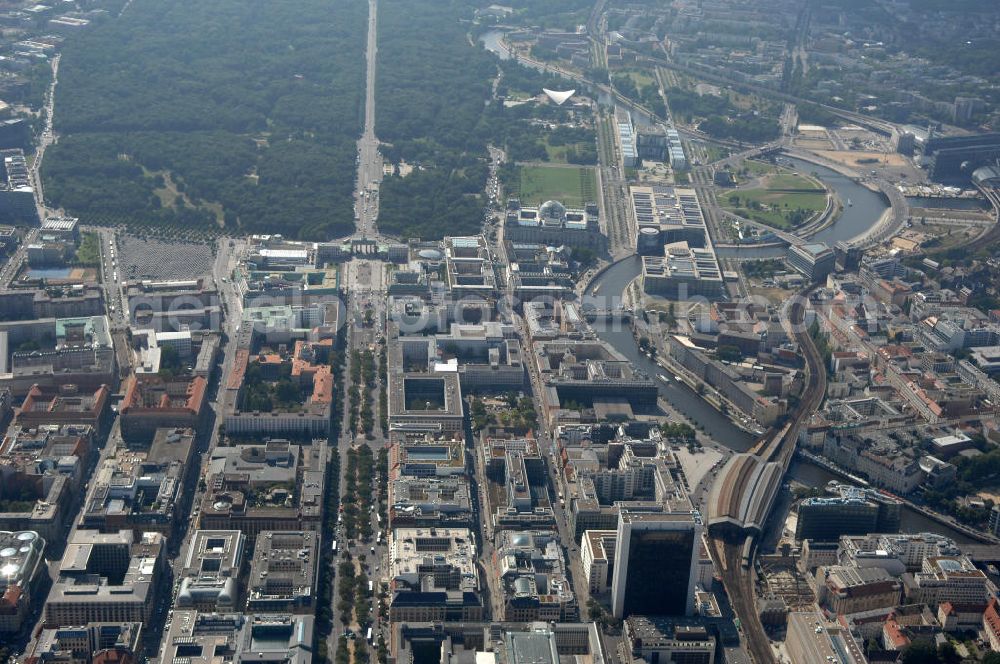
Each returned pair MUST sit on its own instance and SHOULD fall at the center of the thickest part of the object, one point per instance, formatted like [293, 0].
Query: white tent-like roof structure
[559, 97]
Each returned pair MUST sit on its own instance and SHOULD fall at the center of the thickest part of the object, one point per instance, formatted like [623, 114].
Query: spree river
[863, 212]
[866, 209]
[612, 283]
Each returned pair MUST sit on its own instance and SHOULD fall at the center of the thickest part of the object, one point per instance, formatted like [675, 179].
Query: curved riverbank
[612, 281]
[863, 215]
[868, 211]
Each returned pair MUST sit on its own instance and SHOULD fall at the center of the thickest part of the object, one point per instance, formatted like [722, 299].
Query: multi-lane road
[13, 265]
[364, 287]
[611, 186]
[115, 296]
[17, 259]
[547, 447]
[365, 291]
[369, 159]
[48, 137]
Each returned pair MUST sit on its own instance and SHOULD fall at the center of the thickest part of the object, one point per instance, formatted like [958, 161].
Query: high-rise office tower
[656, 563]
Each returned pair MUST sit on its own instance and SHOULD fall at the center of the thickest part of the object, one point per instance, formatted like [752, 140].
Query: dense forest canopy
[189, 112]
[436, 110]
[431, 108]
[244, 115]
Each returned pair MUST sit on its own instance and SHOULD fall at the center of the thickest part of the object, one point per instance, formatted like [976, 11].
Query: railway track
[992, 234]
[736, 553]
[740, 586]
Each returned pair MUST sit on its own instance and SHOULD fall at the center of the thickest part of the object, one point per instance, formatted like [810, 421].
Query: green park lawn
[785, 180]
[785, 201]
[571, 185]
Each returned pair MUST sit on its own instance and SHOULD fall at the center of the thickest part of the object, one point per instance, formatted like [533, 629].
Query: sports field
[570, 185]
